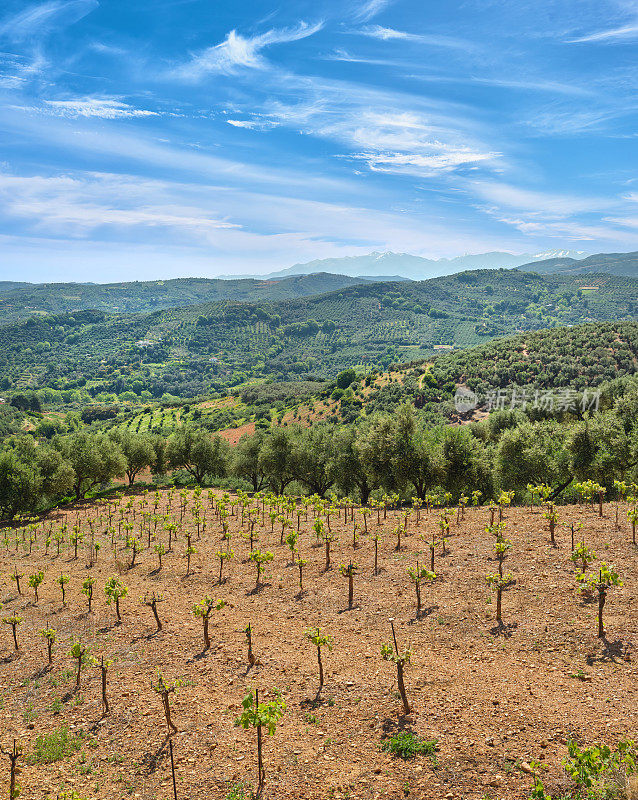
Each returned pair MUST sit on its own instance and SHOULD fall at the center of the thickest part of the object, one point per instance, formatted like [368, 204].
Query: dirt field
[494, 697]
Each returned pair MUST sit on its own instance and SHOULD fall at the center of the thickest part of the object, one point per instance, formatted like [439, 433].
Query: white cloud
[382, 131]
[369, 9]
[379, 32]
[38, 20]
[624, 33]
[541, 203]
[252, 124]
[76, 206]
[104, 107]
[390, 34]
[240, 52]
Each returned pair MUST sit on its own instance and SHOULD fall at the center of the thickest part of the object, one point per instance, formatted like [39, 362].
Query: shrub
[50, 747]
[406, 745]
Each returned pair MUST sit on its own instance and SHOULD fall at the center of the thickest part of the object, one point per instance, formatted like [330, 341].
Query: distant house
[145, 343]
[214, 360]
[444, 347]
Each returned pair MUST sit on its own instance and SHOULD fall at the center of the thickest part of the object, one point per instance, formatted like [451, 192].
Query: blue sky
[146, 139]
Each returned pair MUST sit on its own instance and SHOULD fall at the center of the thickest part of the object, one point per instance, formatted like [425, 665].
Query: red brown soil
[493, 697]
[233, 435]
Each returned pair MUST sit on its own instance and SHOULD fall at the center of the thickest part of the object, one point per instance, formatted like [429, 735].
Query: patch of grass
[406, 745]
[238, 791]
[50, 747]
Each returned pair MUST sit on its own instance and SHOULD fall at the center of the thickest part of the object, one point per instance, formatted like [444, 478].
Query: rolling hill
[599, 264]
[22, 300]
[195, 349]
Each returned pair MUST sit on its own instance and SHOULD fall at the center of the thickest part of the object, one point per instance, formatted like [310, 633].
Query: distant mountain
[379, 265]
[601, 263]
[19, 301]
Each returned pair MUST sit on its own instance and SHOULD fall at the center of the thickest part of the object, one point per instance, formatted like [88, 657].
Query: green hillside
[601, 263]
[209, 347]
[22, 300]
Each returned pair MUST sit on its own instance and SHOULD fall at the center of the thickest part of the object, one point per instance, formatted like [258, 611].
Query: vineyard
[214, 346]
[392, 651]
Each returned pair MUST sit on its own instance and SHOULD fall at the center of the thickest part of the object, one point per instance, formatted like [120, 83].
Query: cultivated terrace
[459, 648]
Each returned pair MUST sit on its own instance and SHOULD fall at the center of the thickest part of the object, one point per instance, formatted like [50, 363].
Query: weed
[407, 745]
[50, 747]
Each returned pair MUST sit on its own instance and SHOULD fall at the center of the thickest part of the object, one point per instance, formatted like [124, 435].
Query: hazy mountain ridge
[378, 264]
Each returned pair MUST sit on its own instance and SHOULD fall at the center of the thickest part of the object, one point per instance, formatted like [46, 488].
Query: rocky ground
[494, 697]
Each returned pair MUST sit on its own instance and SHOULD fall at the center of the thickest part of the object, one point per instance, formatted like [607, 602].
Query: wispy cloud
[625, 33]
[435, 40]
[40, 19]
[240, 52]
[103, 107]
[370, 8]
[252, 124]
[77, 206]
[390, 132]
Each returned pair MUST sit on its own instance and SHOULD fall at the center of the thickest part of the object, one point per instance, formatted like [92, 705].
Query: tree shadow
[301, 594]
[504, 629]
[41, 672]
[354, 607]
[151, 761]
[424, 613]
[391, 725]
[257, 589]
[10, 657]
[314, 702]
[610, 652]
[200, 656]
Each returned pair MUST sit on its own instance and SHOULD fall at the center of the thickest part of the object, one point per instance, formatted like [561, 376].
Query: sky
[150, 139]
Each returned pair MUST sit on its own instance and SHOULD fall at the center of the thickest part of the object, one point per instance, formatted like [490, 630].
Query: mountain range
[381, 265]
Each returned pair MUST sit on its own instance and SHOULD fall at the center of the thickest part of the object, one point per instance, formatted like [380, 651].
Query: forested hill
[22, 300]
[577, 358]
[195, 349]
[601, 263]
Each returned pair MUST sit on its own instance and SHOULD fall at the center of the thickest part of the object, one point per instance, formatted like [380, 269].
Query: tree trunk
[206, 636]
[167, 712]
[320, 669]
[602, 596]
[499, 593]
[401, 685]
[350, 590]
[105, 701]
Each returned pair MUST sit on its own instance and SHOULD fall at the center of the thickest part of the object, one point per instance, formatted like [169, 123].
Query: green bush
[50, 747]
[406, 745]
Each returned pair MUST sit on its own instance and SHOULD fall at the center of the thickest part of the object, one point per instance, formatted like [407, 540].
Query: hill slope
[194, 349]
[601, 263]
[19, 301]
